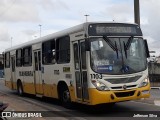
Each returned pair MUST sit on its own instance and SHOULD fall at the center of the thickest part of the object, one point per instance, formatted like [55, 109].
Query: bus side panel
[52, 75]
[28, 80]
[72, 93]
[67, 75]
[8, 81]
[50, 84]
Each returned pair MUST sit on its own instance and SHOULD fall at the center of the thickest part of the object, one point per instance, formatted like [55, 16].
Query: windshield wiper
[109, 42]
[127, 45]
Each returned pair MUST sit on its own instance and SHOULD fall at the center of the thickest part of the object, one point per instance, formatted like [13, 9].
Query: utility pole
[11, 41]
[86, 17]
[40, 30]
[136, 12]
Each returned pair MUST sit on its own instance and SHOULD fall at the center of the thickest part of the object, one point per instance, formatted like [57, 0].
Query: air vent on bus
[123, 80]
[120, 87]
[124, 94]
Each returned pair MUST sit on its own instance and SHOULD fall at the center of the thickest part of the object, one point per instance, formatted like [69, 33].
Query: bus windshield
[114, 57]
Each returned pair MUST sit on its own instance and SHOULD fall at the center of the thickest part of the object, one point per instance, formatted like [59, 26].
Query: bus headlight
[99, 85]
[144, 82]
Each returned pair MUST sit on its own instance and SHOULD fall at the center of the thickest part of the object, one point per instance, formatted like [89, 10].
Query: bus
[91, 63]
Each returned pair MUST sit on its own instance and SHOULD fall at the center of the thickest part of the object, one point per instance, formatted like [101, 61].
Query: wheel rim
[20, 89]
[66, 96]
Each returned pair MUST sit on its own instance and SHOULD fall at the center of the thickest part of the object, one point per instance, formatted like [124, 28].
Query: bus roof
[55, 35]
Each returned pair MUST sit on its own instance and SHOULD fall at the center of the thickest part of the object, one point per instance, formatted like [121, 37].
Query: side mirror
[87, 44]
[146, 48]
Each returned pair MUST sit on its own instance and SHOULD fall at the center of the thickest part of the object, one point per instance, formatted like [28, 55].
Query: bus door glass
[13, 74]
[80, 70]
[38, 74]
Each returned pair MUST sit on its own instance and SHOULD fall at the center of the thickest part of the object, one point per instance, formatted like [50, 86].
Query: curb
[155, 88]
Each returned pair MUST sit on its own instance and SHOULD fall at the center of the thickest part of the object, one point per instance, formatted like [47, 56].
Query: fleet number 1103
[96, 76]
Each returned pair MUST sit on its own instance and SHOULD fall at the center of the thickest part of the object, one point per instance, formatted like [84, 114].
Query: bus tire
[20, 89]
[65, 98]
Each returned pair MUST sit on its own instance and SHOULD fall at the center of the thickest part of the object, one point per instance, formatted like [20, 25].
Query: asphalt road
[52, 108]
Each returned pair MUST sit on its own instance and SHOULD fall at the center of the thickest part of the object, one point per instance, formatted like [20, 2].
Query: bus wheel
[20, 88]
[66, 99]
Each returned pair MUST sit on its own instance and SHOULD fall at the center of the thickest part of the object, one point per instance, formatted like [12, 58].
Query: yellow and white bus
[91, 63]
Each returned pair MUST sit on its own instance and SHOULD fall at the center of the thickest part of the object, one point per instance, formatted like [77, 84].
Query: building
[1, 66]
[154, 72]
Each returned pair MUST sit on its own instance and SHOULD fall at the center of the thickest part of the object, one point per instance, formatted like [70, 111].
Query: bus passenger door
[37, 72]
[80, 70]
[13, 74]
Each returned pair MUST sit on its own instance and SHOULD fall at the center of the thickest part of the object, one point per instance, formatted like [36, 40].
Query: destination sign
[115, 29]
[25, 73]
[106, 29]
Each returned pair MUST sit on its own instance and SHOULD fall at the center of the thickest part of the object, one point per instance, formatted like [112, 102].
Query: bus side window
[48, 52]
[63, 50]
[83, 55]
[27, 59]
[76, 59]
[7, 60]
[36, 61]
[19, 57]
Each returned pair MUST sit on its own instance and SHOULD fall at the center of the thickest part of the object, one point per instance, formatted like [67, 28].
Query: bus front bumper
[100, 97]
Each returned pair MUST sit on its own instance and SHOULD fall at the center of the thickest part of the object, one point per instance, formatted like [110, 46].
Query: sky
[20, 20]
